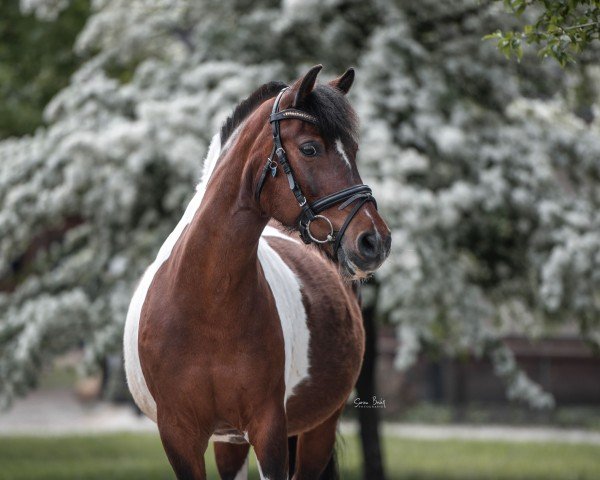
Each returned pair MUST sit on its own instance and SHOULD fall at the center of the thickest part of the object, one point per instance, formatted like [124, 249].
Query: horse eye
[308, 150]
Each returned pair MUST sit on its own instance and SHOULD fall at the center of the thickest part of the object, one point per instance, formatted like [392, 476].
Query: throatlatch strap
[269, 167]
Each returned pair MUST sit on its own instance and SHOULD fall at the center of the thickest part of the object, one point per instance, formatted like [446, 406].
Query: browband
[292, 113]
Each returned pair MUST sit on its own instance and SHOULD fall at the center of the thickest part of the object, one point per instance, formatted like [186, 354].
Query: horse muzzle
[366, 255]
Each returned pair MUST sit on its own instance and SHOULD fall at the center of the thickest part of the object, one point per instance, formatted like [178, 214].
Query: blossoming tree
[487, 170]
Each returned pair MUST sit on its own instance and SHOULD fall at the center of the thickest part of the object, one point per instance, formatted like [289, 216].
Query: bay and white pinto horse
[238, 330]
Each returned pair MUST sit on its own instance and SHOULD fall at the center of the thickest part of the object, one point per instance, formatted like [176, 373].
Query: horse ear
[344, 82]
[306, 84]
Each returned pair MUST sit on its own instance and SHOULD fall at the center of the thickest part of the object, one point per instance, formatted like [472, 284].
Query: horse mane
[247, 106]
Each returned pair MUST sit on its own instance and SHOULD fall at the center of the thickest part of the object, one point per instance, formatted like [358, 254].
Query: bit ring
[330, 236]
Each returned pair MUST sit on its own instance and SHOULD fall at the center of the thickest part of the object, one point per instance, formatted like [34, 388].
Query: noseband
[310, 213]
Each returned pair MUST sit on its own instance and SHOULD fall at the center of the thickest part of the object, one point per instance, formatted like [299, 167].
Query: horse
[240, 331]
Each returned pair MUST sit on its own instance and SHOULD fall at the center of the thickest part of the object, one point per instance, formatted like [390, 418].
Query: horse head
[314, 132]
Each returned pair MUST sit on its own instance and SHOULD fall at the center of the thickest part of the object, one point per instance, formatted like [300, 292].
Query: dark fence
[564, 366]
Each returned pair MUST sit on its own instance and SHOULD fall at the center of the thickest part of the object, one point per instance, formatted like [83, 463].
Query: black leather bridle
[360, 194]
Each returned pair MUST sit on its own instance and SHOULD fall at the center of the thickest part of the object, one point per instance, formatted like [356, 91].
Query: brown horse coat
[242, 332]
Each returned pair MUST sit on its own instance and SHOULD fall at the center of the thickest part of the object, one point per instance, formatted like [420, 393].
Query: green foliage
[560, 29]
[132, 457]
[36, 61]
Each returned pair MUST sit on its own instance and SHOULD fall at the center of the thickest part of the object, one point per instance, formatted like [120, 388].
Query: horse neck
[222, 238]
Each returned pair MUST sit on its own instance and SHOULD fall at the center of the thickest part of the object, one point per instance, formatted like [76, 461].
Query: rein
[360, 194]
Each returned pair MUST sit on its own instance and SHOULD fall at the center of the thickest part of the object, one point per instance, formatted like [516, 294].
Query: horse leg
[184, 447]
[315, 450]
[232, 460]
[268, 436]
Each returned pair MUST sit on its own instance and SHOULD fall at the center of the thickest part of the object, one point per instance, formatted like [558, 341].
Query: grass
[565, 416]
[140, 456]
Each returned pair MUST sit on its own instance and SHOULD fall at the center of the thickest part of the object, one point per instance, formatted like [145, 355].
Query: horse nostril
[367, 245]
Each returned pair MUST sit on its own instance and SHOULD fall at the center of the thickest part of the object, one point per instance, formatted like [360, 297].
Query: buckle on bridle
[272, 165]
[330, 236]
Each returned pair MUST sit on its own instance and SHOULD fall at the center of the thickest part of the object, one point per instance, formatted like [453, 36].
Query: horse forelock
[337, 119]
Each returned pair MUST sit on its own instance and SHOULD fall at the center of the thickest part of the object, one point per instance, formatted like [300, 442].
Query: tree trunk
[369, 417]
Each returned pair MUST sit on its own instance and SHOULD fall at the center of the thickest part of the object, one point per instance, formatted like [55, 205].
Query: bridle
[357, 194]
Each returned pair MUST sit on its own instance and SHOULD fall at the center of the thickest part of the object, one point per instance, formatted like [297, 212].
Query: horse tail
[331, 471]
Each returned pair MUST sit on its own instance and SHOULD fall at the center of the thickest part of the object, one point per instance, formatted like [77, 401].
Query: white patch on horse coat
[286, 289]
[260, 472]
[372, 222]
[377, 234]
[233, 137]
[243, 472]
[224, 438]
[339, 146]
[135, 377]
[270, 231]
[230, 438]
[284, 284]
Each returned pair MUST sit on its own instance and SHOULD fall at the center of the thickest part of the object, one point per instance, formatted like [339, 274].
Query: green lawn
[135, 456]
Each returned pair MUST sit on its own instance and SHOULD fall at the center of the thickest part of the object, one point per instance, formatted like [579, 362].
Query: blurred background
[483, 327]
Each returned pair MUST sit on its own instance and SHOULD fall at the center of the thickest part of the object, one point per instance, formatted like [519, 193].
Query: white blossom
[488, 178]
